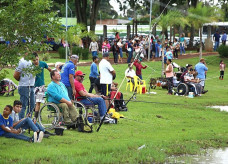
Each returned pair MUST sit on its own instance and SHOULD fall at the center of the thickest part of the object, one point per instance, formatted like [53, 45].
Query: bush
[83, 53]
[62, 52]
[223, 51]
[45, 57]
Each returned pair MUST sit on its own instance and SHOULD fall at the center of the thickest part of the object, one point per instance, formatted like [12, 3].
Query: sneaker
[49, 133]
[41, 135]
[46, 136]
[35, 137]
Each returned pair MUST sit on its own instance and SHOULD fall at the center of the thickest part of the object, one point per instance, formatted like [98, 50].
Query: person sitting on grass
[7, 130]
[27, 122]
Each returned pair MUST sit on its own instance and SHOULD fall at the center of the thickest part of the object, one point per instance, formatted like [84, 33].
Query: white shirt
[105, 72]
[93, 46]
[130, 73]
[120, 44]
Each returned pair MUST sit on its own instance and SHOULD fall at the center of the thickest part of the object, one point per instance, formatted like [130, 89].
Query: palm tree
[203, 14]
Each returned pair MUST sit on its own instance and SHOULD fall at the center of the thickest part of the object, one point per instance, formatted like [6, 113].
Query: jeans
[140, 76]
[96, 101]
[129, 56]
[182, 49]
[94, 53]
[170, 84]
[70, 92]
[121, 52]
[115, 55]
[216, 45]
[24, 98]
[28, 123]
[92, 83]
[69, 113]
[16, 136]
[175, 53]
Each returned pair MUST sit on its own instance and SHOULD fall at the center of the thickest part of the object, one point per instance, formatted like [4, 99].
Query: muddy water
[222, 108]
[211, 156]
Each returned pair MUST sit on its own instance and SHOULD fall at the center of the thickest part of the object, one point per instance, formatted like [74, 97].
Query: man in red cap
[81, 91]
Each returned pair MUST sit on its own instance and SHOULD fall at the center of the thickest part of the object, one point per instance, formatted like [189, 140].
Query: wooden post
[133, 33]
[209, 31]
[136, 29]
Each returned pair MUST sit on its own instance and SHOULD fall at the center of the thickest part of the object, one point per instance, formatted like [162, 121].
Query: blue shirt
[67, 69]
[224, 36]
[201, 68]
[6, 122]
[56, 92]
[217, 36]
[40, 77]
[93, 70]
[169, 55]
[130, 46]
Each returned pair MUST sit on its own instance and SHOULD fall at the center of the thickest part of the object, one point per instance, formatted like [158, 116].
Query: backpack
[83, 124]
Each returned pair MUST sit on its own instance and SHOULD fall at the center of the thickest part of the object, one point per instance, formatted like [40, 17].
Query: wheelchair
[183, 89]
[50, 115]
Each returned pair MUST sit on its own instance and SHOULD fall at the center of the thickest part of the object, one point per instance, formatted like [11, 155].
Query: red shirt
[139, 67]
[78, 87]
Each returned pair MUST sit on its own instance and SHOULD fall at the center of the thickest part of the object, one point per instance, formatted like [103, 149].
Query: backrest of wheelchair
[51, 108]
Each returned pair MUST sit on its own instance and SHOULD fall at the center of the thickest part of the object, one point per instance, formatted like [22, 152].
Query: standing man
[26, 85]
[67, 75]
[216, 38]
[93, 73]
[57, 93]
[224, 36]
[201, 69]
[39, 84]
[107, 74]
[94, 48]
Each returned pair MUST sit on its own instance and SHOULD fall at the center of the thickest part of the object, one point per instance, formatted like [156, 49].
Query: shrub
[83, 53]
[223, 51]
[62, 52]
[45, 57]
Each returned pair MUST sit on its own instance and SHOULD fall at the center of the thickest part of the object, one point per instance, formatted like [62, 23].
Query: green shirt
[40, 77]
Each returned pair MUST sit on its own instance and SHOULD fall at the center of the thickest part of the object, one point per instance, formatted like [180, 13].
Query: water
[211, 156]
[222, 108]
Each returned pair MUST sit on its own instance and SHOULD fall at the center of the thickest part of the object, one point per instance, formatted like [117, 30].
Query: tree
[203, 14]
[24, 23]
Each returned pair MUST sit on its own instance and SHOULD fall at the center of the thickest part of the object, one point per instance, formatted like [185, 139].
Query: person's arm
[16, 75]
[69, 103]
[144, 67]
[11, 130]
[71, 78]
[86, 94]
[16, 123]
[49, 69]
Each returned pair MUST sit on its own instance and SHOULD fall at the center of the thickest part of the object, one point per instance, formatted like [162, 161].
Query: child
[222, 69]
[27, 122]
[7, 130]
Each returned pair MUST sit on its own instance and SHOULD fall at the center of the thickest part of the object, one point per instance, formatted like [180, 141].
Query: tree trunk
[170, 33]
[201, 45]
[173, 33]
[192, 33]
[94, 12]
[80, 7]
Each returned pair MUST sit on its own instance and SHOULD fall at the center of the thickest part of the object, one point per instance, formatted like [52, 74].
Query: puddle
[212, 156]
[222, 108]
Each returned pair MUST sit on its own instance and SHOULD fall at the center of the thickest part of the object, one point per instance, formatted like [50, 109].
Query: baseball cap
[106, 54]
[79, 73]
[74, 57]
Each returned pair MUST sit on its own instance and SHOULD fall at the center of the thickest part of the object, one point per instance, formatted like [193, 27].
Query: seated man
[130, 73]
[57, 93]
[91, 98]
[189, 79]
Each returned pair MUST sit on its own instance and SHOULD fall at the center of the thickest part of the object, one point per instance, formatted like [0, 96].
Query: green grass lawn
[171, 125]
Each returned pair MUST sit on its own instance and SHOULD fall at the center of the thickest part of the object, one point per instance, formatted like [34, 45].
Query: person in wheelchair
[192, 82]
[88, 98]
[57, 93]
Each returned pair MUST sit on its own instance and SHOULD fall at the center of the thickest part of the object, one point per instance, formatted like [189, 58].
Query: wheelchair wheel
[49, 115]
[182, 89]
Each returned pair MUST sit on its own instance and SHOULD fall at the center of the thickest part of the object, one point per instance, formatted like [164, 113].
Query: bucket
[190, 95]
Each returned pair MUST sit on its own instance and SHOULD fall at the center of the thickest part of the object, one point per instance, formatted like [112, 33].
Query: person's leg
[181, 47]
[121, 55]
[92, 80]
[73, 113]
[27, 123]
[32, 100]
[105, 89]
[70, 92]
[140, 76]
[101, 104]
[17, 136]
[129, 57]
[40, 127]
[220, 75]
[66, 115]
[23, 92]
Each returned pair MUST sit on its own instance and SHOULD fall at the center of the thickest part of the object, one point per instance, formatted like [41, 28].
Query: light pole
[70, 11]
[66, 42]
[150, 30]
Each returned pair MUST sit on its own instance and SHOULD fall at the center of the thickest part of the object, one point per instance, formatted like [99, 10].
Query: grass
[165, 129]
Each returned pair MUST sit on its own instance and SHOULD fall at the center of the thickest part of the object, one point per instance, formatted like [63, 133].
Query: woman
[117, 37]
[130, 51]
[105, 46]
[120, 45]
[176, 47]
[182, 44]
[115, 52]
[169, 76]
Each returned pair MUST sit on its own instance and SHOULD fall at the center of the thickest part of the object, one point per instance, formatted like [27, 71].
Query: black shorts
[221, 73]
[105, 89]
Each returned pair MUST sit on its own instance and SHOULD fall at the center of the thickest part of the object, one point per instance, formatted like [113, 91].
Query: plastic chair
[139, 84]
[130, 84]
